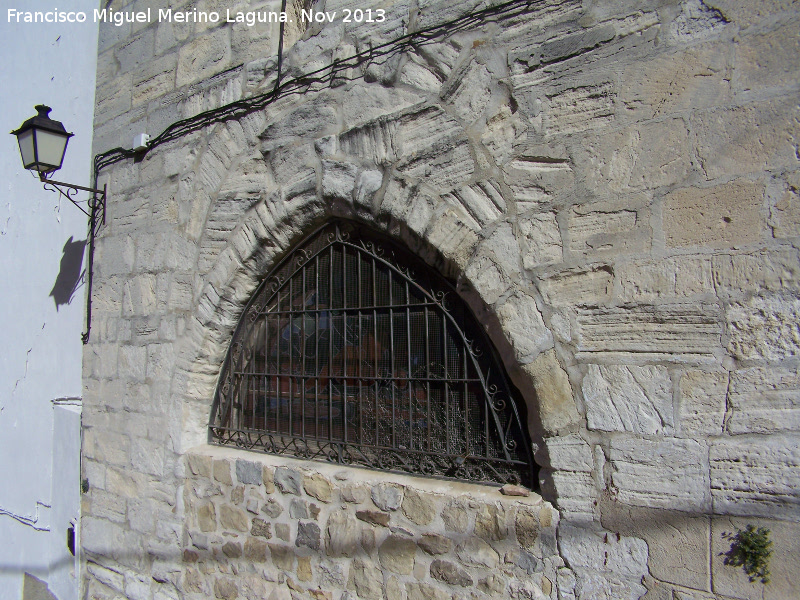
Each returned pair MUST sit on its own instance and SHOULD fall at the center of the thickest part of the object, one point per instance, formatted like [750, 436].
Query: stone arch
[458, 225]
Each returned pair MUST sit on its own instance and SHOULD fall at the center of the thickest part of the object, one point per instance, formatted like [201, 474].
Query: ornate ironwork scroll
[354, 351]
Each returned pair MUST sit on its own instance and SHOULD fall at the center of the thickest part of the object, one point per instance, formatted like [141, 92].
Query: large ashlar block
[695, 78]
[724, 215]
[784, 214]
[772, 270]
[765, 400]
[764, 328]
[607, 566]
[540, 240]
[587, 287]
[523, 324]
[643, 156]
[760, 477]
[655, 279]
[608, 229]
[667, 473]
[747, 139]
[681, 333]
[677, 543]
[702, 401]
[769, 59]
[628, 398]
[204, 56]
[732, 580]
[555, 407]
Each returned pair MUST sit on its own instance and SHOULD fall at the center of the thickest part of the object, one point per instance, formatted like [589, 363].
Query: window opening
[354, 351]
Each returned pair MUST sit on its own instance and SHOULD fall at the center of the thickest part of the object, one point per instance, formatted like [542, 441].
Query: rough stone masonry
[614, 188]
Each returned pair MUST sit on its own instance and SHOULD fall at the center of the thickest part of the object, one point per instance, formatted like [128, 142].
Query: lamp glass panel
[25, 140]
[50, 147]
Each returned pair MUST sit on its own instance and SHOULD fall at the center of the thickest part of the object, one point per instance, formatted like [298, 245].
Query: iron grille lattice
[353, 351]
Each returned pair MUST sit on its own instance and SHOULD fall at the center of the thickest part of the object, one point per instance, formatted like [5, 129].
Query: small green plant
[751, 549]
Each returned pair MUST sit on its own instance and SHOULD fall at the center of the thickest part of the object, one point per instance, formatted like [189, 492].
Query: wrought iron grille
[354, 351]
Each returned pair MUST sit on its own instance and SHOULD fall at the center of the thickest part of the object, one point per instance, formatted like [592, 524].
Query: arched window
[354, 351]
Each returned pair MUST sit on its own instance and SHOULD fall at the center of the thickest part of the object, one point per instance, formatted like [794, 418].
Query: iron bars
[355, 352]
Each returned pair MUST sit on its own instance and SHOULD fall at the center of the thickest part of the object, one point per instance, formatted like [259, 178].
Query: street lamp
[42, 145]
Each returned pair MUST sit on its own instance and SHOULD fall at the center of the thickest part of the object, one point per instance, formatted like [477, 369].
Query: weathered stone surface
[272, 509]
[387, 496]
[261, 528]
[418, 507]
[474, 551]
[635, 399]
[586, 287]
[423, 591]
[702, 401]
[255, 549]
[677, 544]
[434, 544]
[207, 517]
[688, 333]
[764, 400]
[248, 472]
[555, 408]
[341, 535]
[232, 518]
[282, 556]
[784, 214]
[776, 270]
[698, 77]
[733, 581]
[317, 486]
[397, 554]
[456, 516]
[764, 328]
[725, 215]
[373, 517]
[366, 580]
[232, 549]
[669, 473]
[298, 509]
[596, 556]
[288, 481]
[308, 534]
[526, 525]
[222, 472]
[758, 478]
[490, 522]
[626, 159]
[747, 138]
[566, 453]
[541, 240]
[203, 57]
[450, 573]
[680, 276]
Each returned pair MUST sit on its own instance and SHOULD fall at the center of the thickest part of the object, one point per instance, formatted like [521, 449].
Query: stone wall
[260, 525]
[612, 186]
